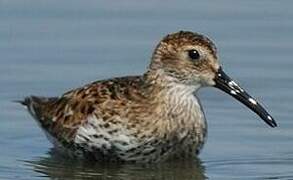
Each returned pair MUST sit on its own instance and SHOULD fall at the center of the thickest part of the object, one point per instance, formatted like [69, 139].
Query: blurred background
[48, 47]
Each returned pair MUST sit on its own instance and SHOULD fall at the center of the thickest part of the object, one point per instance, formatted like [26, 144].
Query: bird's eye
[193, 54]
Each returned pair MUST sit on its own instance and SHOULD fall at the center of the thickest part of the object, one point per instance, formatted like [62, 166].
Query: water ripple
[54, 166]
[251, 168]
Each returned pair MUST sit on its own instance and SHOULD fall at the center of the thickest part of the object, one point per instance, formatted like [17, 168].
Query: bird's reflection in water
[56, 166]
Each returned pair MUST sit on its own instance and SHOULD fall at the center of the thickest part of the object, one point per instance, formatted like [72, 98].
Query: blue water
[50, 46]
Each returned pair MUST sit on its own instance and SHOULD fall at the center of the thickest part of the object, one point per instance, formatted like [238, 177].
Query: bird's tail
[36, 105]
[24, 102]
[32, 103]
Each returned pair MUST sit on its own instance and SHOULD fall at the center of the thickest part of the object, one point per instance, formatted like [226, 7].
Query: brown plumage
[146, 118]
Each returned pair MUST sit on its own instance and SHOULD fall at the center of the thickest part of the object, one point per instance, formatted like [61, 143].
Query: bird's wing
[60, 117]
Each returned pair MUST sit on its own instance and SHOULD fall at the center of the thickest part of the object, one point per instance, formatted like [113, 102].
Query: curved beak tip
[271, 121]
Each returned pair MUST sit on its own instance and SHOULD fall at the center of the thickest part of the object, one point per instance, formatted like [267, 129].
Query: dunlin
[147, 118]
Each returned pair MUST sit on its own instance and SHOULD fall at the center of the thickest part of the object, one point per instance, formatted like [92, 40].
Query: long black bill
[227, 84]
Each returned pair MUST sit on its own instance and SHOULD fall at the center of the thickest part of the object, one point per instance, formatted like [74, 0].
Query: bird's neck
[170, 95]
[160, 85]
[174, 102]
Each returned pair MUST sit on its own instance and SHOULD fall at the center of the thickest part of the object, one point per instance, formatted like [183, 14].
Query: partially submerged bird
[147, 118]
